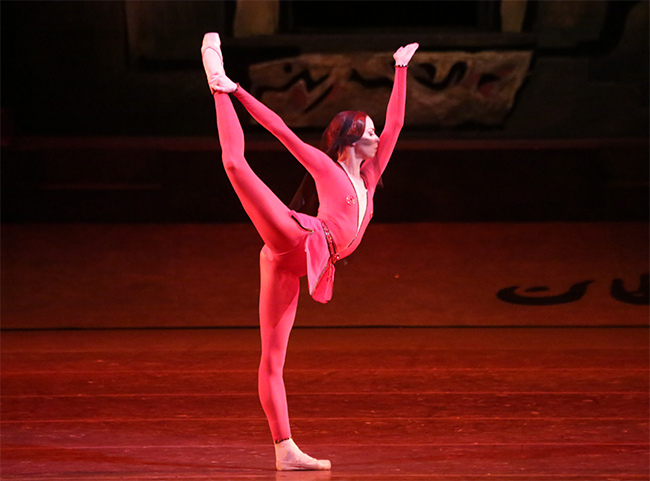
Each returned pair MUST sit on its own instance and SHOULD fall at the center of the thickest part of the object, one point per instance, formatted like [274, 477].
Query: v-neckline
[352, 177]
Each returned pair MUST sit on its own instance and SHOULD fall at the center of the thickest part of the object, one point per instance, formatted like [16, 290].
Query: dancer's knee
[233, 163]
[271, 367]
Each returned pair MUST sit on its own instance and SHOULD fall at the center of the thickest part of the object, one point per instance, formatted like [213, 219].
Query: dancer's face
[368, 144]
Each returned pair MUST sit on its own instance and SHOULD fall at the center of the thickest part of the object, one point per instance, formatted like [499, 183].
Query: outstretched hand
[404, 54]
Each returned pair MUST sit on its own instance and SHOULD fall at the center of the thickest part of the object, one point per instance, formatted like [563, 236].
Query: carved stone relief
[445, 89]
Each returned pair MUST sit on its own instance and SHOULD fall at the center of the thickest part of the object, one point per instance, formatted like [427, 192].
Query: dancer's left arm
[396, 107]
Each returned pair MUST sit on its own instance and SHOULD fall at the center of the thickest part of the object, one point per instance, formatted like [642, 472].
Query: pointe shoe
[288, 457]
[213, 65]
[212, 56]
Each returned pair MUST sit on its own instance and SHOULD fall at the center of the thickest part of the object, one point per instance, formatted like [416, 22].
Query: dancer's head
[344, 130]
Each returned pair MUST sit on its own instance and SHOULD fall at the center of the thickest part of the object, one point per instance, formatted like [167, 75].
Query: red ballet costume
[296, 244]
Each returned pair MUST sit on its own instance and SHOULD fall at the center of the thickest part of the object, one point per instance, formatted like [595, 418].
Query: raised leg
[268, 213]
[270, 216]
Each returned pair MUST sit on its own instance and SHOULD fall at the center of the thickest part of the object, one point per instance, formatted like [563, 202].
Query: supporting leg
[279, 291]
[278, 303]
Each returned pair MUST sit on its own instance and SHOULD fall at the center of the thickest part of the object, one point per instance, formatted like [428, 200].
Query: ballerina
[345, 174]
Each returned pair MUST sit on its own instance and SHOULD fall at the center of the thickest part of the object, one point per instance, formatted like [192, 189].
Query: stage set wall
[116, 212]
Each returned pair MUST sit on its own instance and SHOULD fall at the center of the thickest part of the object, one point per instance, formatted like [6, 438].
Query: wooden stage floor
[382, 403]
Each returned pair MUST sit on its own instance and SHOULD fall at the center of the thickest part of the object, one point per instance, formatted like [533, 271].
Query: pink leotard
[339, 207]
[296, 244]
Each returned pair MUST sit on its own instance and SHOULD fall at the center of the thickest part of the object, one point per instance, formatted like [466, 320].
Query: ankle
[289, 457]
[222, 84]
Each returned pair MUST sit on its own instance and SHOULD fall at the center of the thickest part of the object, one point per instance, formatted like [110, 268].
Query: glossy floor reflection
[380, 403]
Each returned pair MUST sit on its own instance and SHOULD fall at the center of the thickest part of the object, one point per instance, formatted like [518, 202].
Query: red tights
[279, 286]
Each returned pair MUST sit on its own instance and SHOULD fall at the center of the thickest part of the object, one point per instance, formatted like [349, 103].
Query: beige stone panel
[445, 88]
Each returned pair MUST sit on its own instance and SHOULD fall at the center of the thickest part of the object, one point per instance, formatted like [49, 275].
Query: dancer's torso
[339, 205]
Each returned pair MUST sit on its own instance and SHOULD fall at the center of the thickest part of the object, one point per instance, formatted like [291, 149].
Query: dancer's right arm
[313, 159]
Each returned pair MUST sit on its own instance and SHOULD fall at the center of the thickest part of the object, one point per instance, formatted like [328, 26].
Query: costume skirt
[314, 256]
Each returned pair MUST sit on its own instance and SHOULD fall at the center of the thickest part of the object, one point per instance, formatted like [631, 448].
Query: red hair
[345, 129]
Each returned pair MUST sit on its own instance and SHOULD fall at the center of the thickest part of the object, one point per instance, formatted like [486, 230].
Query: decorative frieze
[446, 89]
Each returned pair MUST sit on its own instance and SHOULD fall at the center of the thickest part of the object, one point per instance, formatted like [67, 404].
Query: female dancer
[297, 244]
